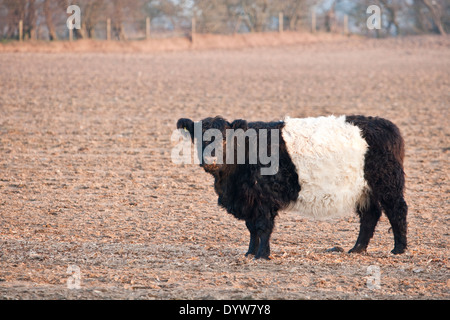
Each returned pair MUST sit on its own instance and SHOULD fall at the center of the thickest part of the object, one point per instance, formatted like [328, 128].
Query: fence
[147, 28]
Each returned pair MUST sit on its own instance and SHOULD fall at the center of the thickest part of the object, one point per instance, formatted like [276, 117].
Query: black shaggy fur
[383, 171]
[256, 198]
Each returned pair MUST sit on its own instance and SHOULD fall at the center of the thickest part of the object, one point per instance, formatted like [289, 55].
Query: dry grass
[201, 42]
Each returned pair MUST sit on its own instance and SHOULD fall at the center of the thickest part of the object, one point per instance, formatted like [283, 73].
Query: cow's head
[211, 132]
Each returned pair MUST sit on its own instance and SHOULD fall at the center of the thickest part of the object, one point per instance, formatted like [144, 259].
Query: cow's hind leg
[396, 211]
[369, 216]
[388, 187]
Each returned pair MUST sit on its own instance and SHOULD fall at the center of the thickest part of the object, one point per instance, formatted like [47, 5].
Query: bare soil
[86, 177]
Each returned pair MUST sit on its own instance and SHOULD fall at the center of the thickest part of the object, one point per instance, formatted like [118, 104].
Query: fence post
[313, 21]
[346, 25]
[108, 29]
[21, 30]
[147, 28]
[193, 30]
[280, 22]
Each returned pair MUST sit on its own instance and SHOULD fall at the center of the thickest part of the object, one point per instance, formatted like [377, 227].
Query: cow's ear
[239, 124]
[187, 125]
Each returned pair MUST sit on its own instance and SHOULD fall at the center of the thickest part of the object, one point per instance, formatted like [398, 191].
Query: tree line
[46, 19]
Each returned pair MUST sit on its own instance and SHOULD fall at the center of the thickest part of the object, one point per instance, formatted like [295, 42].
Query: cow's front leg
[264, 226]
[254, 239]
[264, 245]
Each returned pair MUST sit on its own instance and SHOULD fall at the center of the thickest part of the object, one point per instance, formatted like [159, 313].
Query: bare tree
[29, 23]
[13, 13]
[117, 12]
[50, 9]
[293, 11]
[257, 13]
[429, 16]
[216, 16]
[220, 16]
[436, 10]
[330, 18]
[92, 14]
[20, 10]
[392, 8]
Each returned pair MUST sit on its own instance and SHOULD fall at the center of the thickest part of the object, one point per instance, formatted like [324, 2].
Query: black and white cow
[328, 167]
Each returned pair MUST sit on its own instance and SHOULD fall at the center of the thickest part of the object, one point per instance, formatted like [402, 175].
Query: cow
[327, 167]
